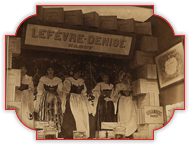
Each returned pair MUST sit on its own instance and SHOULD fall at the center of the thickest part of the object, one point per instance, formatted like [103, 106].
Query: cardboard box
[108, 22]
[143, 28]
[105, 134]
[9, 60]
[10, 93]
[141, 58]
[126, 25]
[74, 17]
[147, 130]
[149, 99]
[108, 125]
[53, 15]
[143, 86]
[14, 45]
[91, 19]
[40, 124]
[79, 135]
[153, 114]
[14, 77]
[149, 43]
[39, 16]
[147, 71]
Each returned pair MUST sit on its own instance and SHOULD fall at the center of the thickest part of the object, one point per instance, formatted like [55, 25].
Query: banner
[77, 40]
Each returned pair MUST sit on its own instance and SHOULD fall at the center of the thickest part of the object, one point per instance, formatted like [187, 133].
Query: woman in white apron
[103, 104]
[48, 102]
[24, 94]
[77, 107]
[126, 113]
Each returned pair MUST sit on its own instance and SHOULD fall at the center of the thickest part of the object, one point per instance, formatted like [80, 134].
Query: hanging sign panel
[77, 40]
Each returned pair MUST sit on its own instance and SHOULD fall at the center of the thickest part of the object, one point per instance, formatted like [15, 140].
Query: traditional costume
[77, 107]
[126, 112]
[24, 94]
[103, 109]
[49, 93]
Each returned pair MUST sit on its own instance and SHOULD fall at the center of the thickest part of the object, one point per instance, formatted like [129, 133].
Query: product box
[14, 77]
[53, 15]
[153, 114]
[74, 17]
[91, 19]
[108, 125]
[146, 130]
[147, 71]
[149, 43]
[126, 25]
[143, 86]
[108, 22]
[143, 28]
[14, 45]
[141, 58]
[149, 99]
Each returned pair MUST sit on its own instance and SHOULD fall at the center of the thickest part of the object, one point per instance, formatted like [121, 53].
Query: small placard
[79, 135]
[153, 114]
[108, 125]
[40, 124]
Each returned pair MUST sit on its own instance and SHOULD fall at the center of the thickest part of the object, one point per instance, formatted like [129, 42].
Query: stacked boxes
[91, 19]
[53, 15]
[143, 28]
[74, 17]
[126, 25]
[108, 22]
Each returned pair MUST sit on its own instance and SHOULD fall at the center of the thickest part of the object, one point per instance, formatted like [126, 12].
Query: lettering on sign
[150, 112]
[77, 40]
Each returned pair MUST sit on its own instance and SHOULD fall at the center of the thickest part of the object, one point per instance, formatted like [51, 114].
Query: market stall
[98, 44]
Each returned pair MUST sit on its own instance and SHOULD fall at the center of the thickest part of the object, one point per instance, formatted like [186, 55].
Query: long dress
[126, 112]
[48, 99]
[77, 108]
[24, 94]
[103, 109]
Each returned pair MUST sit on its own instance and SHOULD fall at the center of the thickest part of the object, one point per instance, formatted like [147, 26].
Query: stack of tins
[145, 87]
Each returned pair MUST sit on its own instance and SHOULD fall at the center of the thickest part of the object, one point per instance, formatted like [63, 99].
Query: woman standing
[76, 116]
[49, 93]
[24, 94]
[103, 104]
[126, 112]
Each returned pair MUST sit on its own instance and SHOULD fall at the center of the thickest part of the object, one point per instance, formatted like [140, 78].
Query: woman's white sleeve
[66, 86]
[96, 91]
[83, 92]
[60, 87]
[40, 88]
[31, 84]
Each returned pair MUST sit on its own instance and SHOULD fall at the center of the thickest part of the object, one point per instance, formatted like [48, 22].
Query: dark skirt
[69, 124]
[105, 112]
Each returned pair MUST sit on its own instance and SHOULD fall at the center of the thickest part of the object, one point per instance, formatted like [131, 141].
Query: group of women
[66, 105]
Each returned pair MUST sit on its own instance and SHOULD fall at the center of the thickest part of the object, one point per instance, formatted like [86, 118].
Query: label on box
[108, 125]
[153, 114]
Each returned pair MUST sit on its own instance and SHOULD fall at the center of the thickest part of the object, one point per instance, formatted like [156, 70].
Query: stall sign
[46, 36]
[153, 114]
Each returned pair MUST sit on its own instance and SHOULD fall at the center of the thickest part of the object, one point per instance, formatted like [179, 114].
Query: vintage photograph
[94, 72]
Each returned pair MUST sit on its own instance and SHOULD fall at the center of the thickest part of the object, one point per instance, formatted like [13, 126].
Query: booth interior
[148, 42]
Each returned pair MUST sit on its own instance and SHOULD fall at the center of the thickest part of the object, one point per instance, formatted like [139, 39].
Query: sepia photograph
[94, 72]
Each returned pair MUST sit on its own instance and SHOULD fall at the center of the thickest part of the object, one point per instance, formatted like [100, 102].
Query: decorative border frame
[170, 65]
